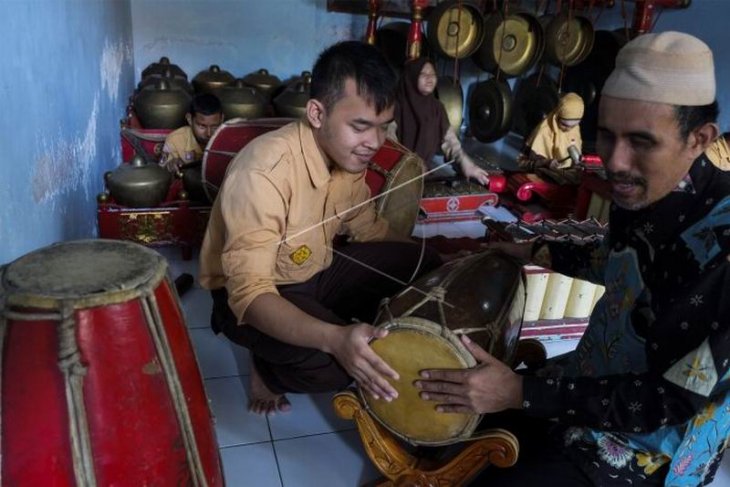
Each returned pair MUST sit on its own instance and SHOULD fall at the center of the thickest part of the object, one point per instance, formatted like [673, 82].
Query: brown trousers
[346, 291]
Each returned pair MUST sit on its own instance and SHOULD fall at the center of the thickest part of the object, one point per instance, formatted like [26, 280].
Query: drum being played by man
[280, 286]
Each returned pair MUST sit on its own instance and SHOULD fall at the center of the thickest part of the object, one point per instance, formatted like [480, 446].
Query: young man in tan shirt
[281, 288]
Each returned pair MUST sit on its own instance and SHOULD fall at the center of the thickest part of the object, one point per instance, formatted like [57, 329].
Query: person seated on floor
[281, 288]
[421, 122]
[547, 146]
[643, 400]
[719, 152]
[185, 145]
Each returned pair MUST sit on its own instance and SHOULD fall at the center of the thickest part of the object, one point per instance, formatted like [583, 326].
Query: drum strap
[69, 361]
[152, 314]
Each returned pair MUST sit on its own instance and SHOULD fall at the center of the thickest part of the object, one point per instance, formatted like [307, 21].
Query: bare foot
[262, 400]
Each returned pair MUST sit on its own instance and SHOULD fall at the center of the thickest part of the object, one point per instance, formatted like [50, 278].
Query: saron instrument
[100, 385]
[481, 295]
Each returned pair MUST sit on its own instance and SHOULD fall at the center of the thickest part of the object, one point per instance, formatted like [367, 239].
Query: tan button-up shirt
[276, 215]
[181, 144]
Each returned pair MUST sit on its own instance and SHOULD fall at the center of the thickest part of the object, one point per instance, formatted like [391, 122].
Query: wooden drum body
[100, 385]
[481, 295]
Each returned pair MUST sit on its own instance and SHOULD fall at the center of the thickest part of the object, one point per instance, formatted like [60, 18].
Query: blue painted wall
[69, 66]
[66, 72]
[241, 36]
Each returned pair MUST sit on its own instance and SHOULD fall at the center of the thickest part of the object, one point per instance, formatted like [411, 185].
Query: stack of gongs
[163, 96]
[212, 80]
[292, 101]
[512, 45]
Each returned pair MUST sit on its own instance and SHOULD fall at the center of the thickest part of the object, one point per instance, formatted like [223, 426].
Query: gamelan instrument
[481, 295]
[100, 385]
[551, 295]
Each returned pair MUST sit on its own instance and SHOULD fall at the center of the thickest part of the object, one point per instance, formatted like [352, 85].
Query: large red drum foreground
[100, 385]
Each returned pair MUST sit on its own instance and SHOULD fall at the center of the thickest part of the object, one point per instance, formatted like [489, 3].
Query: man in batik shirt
[643, 399]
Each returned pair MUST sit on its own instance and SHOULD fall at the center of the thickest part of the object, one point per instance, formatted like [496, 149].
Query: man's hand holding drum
[489, 387]
[351, 348]
[278, 285]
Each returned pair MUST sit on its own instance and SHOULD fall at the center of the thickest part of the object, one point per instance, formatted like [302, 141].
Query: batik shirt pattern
[644, 395]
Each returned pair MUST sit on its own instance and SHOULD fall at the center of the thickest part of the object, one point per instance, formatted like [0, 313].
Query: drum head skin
[81, 269]
[482, 295]
[400, 198]
[412, 345]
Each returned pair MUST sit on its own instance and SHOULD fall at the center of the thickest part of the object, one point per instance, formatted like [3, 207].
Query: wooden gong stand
[400, 468]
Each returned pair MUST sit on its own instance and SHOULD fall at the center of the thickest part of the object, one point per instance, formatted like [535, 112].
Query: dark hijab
[422, 120]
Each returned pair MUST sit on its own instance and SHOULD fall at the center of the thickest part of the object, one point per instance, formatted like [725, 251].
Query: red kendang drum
[100, 385]
[395, 175]
[225, 143]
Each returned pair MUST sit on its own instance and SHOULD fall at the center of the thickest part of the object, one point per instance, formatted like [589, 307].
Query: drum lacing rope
[427, 295]
[69, 361]
[366, 202]
[152, 314]
[440, 294]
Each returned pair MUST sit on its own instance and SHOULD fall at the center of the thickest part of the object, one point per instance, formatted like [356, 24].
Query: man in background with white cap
[644, 398]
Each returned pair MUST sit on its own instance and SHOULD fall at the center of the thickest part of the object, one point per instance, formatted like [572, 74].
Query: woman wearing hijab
[548, 144]
[422, 123]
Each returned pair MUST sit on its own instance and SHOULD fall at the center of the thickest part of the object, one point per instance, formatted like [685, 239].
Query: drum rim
[11, 296]
[382, 199]
[431, 327]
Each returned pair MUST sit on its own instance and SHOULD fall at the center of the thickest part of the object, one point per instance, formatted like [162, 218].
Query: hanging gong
[588, 77]
[535, 97]
[455, 29]
[490, 110]
[512, 44]
[568, 38]
[449, 92]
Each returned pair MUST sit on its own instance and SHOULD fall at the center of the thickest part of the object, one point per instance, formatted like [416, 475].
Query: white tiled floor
[308, 447]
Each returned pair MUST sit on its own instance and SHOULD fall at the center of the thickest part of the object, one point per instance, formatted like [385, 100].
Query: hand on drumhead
[354, 354]
[489, 387]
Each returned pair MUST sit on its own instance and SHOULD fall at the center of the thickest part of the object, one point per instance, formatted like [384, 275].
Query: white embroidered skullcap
[669, 67]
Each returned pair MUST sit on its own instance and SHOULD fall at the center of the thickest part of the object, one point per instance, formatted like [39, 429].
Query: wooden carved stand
[402, 469]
